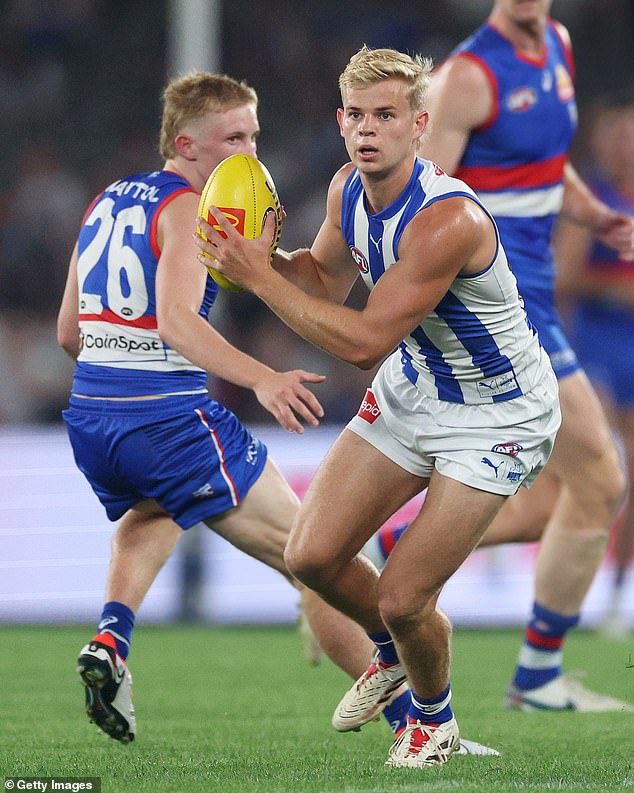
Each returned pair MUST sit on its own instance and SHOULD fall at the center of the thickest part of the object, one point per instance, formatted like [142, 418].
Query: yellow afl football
[243, 190]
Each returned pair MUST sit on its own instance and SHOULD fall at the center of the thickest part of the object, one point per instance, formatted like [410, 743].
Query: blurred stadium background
[80, 82]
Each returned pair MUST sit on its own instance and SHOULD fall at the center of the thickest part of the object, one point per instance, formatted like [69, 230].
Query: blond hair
[193, 96]
[369, 66]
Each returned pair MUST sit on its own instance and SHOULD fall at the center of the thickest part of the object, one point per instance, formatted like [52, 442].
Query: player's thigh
[355, 490]
[449, 526]
[584, 442]
[261, 524]
[524, 515]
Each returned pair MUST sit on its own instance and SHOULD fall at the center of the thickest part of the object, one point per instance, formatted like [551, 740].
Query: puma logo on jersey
[493, 386]
[377, 243]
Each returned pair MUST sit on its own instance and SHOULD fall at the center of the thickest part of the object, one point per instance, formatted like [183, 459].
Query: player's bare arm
[68, 336]
[580, 206]
[450, 237]
[459, 99]
[180, 284]
[327, 270]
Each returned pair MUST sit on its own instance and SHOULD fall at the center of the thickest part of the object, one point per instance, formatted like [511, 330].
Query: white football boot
[563, 693]
[108, 685]
[421, 745]
[368, 696]
[475, 748]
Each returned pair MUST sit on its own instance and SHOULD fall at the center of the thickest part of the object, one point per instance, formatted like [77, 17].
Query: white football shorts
[495, 447]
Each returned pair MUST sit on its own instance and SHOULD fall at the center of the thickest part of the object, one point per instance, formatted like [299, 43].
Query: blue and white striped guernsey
[477, 346]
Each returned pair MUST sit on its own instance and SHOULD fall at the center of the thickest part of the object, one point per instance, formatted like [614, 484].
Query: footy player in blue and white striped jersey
[466, 404]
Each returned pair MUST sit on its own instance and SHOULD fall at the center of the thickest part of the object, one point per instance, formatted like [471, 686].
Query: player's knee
[612, 481]
[308, 565]
[598, 484]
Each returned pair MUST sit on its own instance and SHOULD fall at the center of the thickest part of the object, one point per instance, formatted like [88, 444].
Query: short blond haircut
[368, 67]
[193, 96]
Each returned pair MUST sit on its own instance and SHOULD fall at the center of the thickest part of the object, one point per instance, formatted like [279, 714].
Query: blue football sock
[385, 646]
[118, 620]
[432, 711]
[396, 711]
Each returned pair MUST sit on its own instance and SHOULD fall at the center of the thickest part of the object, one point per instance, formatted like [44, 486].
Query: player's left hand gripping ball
[243, 190]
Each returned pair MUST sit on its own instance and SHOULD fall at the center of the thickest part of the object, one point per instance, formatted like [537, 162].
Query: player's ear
[185, 146]
[340, 120]
[420, 122]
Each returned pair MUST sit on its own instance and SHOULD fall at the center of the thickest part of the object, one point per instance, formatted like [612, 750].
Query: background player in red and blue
[159, 453]
[504, 115]
[600, 286]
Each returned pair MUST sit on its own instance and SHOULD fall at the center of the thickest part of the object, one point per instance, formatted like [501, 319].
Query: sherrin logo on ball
[243, 190]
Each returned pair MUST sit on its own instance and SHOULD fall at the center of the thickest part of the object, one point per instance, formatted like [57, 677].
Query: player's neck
[180, 167]
[527, 37]
[382, 189]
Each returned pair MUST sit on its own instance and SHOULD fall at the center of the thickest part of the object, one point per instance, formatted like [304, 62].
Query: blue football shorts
[541, 311]
[189, 453]
[603, 336]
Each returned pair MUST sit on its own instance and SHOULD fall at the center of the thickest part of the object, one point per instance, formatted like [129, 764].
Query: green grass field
[238, 710]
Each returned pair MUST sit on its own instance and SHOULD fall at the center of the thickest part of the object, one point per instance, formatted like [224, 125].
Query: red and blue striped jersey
[515, 160]
[121, 351]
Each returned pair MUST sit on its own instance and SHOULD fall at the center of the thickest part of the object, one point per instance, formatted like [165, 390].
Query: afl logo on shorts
[361, 261]
[369, 410]
[510, 447]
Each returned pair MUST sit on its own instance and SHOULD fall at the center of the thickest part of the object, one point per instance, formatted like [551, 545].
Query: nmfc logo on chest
[360, 260]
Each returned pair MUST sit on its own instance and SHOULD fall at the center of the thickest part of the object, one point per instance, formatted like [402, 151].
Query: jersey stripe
[444, 378]
[154, 225]
[532, 203]
[221, 458]
[147, 322]
[500, 177]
